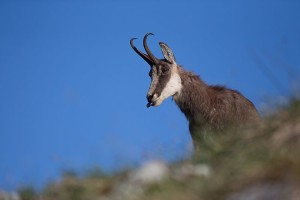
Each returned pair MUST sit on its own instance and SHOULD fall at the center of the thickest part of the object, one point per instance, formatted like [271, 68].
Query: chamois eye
[165, 70]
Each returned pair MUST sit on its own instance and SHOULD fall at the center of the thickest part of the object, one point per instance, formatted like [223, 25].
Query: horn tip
[149, 34]
[131, 42]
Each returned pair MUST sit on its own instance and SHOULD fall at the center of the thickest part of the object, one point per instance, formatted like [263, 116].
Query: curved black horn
[152, 57]
[144, 56]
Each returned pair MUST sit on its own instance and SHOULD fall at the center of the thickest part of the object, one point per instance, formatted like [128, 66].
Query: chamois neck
[193, 99]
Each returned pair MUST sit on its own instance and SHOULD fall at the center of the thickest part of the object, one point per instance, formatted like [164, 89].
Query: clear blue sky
[72, 91]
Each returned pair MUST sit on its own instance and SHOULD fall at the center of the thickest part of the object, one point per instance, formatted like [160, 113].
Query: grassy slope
[262, 161]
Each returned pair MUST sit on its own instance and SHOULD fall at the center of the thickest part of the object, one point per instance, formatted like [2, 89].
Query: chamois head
[165, 79]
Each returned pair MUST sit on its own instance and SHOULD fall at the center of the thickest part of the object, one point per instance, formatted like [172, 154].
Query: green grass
[238, 160]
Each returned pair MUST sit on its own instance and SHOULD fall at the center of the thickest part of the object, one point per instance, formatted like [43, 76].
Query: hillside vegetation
[261, 163]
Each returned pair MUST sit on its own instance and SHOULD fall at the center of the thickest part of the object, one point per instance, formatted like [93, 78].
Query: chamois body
[207, 108]
[212, 108]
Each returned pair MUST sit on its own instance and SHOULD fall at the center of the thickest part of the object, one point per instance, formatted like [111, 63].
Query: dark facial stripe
[163, 79]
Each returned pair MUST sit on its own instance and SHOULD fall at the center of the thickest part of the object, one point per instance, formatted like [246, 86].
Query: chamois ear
[167, 52]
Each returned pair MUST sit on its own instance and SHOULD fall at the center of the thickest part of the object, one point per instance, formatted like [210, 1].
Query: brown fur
[212, 108]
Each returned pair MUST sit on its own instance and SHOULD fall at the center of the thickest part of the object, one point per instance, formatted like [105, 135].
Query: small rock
[150, 172]
[188, 170]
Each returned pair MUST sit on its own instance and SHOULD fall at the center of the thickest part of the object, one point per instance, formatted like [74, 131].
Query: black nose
[149, 97]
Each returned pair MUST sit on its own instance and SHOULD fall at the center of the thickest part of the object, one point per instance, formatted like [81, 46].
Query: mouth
[149, 104]
[154, 102]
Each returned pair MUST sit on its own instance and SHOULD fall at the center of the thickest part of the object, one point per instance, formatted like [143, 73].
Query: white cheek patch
[173, 86]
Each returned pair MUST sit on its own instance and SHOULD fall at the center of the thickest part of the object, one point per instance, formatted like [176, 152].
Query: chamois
[207, 108]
